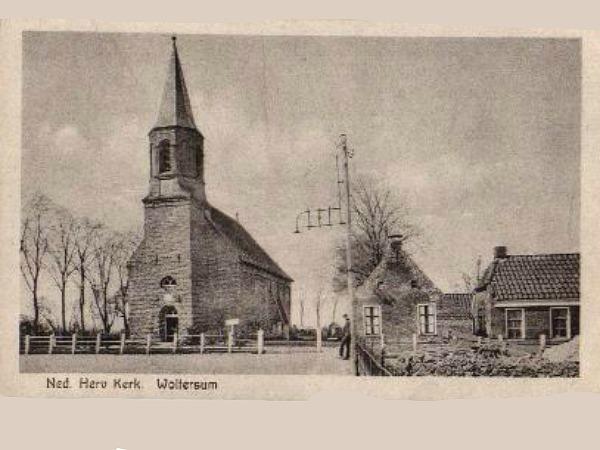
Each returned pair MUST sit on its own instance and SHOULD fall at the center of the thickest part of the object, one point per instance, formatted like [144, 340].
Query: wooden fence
[99, 344]
[189, 343]
[369, 362]
[375, 356]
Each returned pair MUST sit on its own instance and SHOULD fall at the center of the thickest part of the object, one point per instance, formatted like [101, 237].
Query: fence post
[148, 341]
[414, 342]
[26, 344]
[502, 343]
[542, 342]
[122, 344]
[51, 344]
[382, 340]
[73, 343]
[229, 341]
[98, 342]
[260, 341]
[479, 340]
[202, 342]
[319, 340]
[175, 339]
[382, 358]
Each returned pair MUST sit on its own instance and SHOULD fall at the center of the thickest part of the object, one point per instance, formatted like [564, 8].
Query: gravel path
[285, 363]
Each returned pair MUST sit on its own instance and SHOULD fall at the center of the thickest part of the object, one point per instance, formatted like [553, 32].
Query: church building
[196, 267]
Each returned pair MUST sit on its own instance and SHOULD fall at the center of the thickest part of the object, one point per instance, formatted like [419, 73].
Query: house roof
[175, 108]
[250, 251]
[392, 279]
[455, 306]
[533, 277]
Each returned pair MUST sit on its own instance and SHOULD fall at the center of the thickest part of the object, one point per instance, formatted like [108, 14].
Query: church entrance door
[171, 326]
[169, 323]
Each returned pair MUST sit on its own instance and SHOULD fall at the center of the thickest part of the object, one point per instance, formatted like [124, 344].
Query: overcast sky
[478, 137]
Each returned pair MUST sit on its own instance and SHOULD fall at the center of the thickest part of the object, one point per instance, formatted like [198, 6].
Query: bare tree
[34, 248]
[472, 280]
[336, 299]
[62, 251]
[376, 213]
[125, 244]
[104, 254]
[319, 303]
[301, 300]
[47, 317]
[86, 233]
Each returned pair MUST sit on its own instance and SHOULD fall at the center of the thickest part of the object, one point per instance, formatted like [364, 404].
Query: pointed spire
[175, 108]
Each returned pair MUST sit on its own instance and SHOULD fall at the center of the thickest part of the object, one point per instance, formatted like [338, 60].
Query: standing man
[345, 339]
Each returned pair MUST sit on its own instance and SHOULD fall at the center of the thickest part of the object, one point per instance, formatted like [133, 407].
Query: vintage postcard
[274, 211]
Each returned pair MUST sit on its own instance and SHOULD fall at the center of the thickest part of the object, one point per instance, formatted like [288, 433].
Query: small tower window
[164, 157]
[168, 281]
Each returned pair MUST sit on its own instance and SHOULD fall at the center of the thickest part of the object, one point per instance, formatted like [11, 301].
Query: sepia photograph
[232, 204]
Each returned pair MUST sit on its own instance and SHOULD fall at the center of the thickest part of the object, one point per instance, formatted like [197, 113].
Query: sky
[478, 137]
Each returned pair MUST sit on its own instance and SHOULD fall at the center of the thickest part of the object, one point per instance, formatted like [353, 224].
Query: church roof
[175, 108]
[251, 252]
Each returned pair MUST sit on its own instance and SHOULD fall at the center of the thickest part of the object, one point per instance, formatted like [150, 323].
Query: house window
[560, 323]
[426, 316]
[164, 157]
[372, 317]
[515, 323]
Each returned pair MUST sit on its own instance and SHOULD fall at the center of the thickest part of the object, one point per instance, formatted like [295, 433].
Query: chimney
[395, 245]
[500, 252]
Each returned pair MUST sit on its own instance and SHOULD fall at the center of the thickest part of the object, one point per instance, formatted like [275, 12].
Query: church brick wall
[216, 275]
[181, 239]
[164, 251]
[213, 284]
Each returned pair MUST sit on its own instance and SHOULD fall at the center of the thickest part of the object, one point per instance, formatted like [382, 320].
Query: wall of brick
[216, 274]
[164, 251]
[574, 320]
[213, 284]
[399, 317]
[262, 297]
[537, 321]
[447, 327]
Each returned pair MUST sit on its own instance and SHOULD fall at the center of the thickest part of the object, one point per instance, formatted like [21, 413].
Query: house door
[481, 324]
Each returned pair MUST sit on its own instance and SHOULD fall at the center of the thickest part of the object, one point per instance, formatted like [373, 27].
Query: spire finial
[175, 108]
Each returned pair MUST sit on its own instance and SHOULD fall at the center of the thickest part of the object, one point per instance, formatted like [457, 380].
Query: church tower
[176, 145]
[195, 266]
[160, 275]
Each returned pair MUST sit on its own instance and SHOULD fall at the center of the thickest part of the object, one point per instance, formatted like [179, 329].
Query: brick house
[196, 266]
[455, 317]
[398, 300]
[524, 296]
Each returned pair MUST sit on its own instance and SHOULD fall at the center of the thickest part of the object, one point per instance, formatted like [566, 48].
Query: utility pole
[354, 313]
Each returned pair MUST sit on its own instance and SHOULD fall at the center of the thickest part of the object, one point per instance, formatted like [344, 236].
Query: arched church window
[168, 281]
[199, 161]
[164, 157]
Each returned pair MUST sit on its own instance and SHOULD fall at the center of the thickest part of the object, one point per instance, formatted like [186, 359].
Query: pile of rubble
[487, 360]
[569, 351]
